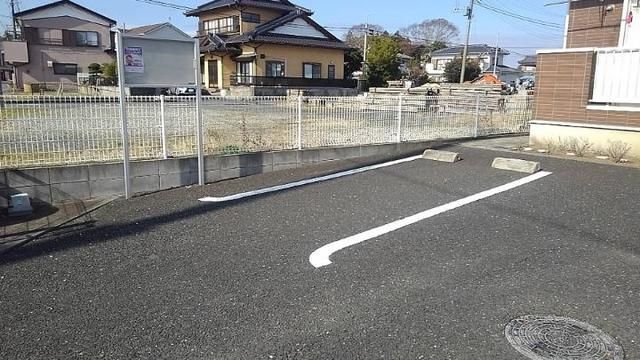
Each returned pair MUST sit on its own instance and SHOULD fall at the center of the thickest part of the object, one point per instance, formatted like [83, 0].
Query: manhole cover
[551, 337]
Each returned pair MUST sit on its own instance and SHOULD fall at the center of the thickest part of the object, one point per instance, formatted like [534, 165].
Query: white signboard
[133, 60]
[158, 63]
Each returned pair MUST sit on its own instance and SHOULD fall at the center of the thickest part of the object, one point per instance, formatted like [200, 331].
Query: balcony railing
[617, 77]
[223, 30]
[291, 82]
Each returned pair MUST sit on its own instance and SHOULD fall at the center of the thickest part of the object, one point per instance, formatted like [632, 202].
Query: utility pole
[12, 3]
[495, 58]
[469, 16]
[366, 49]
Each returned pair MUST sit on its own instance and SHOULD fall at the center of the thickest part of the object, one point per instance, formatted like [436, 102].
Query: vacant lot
[74, 130]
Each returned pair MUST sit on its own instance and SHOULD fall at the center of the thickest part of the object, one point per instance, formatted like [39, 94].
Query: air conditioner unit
[49, 64]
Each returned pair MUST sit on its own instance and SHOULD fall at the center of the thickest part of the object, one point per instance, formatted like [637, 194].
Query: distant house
[163, 31]
[158, 31]
[528, 64]
[590, 89]
[484, 54]
[267, 43]
[11, 53]
[405, 63]
[59, 40]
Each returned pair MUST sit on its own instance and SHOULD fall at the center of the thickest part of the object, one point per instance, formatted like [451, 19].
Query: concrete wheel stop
[523, 166]
[442, 156]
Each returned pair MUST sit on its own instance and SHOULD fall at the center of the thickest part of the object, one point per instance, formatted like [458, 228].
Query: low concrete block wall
[600, 136]
[58, 184]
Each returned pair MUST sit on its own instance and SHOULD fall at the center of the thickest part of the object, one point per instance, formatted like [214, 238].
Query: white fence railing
[617, 76]
[51, 130]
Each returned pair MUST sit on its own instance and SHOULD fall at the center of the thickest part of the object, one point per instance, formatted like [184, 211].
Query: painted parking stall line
[307, 181]
[320, 257]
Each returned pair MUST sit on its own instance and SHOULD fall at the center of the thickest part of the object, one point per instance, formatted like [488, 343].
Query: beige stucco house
[62, 38]
[267, 43]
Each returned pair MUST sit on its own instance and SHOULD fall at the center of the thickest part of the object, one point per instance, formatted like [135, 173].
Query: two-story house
[267, 43]
[528, 64]
[484, 54]
[590, 89]
[62, 39]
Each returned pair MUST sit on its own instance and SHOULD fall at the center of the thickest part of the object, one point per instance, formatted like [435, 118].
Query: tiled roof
[474, 49]
[64, 2]
[284, 5]
[502, 68]
[529, 60]
[144, 29]
[214, 43]
[290, 40]
[262, 34]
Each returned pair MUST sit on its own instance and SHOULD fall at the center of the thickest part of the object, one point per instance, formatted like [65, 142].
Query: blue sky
[518, 36]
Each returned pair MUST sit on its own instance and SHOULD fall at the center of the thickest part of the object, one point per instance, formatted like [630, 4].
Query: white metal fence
[51, 130]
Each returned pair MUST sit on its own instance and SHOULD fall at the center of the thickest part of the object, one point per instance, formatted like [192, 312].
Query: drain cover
[551, 337]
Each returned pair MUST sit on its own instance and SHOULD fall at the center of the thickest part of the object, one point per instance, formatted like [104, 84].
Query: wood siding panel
[590, 25]
[564, 90]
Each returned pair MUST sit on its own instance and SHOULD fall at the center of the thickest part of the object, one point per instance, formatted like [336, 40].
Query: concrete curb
[523, 166]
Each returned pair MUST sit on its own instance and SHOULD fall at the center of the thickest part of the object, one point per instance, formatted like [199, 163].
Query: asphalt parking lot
[168, 276]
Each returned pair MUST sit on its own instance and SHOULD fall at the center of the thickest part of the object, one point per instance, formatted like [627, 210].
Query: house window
[229, 24]
[244, 72]
[251, 17]
[331, 72]
[86, 38]
[275, 69]
[49, 36]
[442, 64]
[312, 70]
[65, 69]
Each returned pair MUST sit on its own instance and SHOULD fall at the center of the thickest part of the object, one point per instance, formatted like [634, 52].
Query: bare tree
[355, 36]
[430, 31]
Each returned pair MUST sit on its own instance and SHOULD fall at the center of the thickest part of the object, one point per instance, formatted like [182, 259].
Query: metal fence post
[123, 116]
[477, 122]
[199, 122]
[299, 122]
[163, 129]
[399, 130]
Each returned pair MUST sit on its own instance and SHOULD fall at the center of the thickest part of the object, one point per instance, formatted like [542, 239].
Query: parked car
[190, 91]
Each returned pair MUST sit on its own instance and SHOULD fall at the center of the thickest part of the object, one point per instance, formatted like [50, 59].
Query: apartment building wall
[591, 25]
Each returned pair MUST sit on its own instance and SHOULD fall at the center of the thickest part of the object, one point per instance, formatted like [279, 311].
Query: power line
[166, 4]
[531, 30]
[519, 17]
[525, 7]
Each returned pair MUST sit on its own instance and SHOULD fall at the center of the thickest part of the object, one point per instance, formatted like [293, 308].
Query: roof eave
[285, 7]
[61, 2]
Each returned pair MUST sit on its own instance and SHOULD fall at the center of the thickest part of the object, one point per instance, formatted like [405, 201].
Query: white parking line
[320, 257]
[307, 181]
